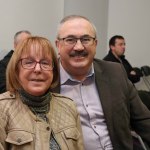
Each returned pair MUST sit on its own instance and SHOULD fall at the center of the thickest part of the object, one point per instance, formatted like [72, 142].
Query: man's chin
[79, 64]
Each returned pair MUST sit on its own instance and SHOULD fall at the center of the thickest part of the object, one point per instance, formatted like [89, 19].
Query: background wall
[131, 18]
[40, 17]
[97, 12]
[127, 18]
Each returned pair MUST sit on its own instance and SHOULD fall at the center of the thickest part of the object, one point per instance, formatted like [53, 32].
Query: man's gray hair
[72, 17]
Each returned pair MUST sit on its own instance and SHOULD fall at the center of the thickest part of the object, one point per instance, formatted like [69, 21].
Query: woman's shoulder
[61, 97]
[6, 100]
[63, 100]
[7, 96]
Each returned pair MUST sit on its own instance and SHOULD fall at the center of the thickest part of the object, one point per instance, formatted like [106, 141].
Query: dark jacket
[127, 66]
[3, 65]
[121, 105]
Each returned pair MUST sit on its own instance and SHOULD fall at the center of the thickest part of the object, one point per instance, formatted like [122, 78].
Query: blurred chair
[146, 75]
[145, 97]
[145, 70]
[138, 142]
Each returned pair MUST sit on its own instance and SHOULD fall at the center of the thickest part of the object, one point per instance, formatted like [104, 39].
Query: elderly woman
[31, 117]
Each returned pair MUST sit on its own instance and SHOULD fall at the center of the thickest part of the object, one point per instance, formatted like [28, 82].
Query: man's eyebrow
[73, 36]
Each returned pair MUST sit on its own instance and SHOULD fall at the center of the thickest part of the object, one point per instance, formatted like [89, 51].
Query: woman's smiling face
[35, 81]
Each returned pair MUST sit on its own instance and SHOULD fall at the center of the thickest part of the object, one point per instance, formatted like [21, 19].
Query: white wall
[97, 12]
[40, 17]
[131, 18]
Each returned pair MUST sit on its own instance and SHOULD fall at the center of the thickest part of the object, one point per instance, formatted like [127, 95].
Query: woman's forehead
[36, 52]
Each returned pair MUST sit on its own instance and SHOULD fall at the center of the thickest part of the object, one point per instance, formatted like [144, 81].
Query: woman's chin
[37, 92]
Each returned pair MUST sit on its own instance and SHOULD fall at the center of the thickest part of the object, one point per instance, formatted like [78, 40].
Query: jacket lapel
[104, 89]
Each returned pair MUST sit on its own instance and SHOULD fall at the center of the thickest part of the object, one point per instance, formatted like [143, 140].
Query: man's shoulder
[6, 59]
[108, 67]
[103, 63]
[107, 57]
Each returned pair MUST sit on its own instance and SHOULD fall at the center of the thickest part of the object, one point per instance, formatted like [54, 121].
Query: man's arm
[2, 78]
[140, 115]
[135, 75]
[3, 65]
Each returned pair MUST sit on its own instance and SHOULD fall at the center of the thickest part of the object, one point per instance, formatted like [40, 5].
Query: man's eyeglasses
[28, 63]
[71, 41]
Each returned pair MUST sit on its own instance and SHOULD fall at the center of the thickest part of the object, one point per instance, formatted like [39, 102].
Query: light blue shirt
[84, 93]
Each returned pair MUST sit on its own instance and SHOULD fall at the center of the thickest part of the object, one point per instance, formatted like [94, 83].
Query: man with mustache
[107, 102]
[116, 54]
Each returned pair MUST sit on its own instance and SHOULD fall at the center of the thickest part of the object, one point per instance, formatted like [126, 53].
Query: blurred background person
[117, 47]
[18, 38]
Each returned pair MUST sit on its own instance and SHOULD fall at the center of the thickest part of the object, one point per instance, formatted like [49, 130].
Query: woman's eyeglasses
[28, 63]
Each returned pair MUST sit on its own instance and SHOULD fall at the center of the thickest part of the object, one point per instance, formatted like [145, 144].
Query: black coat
[127, 66]
[3, 65]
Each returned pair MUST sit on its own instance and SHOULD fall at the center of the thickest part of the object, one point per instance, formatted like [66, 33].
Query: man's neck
[115, 55]
[79, 74]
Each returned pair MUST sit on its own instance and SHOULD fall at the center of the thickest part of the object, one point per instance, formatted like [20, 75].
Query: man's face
[78, 55]
[119, 47]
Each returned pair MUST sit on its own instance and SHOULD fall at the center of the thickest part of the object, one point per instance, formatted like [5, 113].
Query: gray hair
[72, 17]
[18, 33]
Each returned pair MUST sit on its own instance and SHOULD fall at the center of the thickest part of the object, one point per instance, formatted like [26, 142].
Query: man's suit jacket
[121, 104]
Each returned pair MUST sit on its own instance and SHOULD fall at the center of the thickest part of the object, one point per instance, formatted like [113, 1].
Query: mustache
[78, 53]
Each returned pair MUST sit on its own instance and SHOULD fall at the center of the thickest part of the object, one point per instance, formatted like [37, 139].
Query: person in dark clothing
[116, 54]
[18, 38]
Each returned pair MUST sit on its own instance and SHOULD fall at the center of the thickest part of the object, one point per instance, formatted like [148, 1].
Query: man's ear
[96, 41]
[57, 45]
[15, 45]
[111, 47]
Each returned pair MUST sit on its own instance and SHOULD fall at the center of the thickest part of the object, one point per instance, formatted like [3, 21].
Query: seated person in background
[31, 117]
[116, 54]
[18, 38]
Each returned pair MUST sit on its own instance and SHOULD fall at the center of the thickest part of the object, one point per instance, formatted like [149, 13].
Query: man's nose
[78, 45]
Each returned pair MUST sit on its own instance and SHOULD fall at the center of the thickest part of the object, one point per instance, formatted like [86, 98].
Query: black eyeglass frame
[76, 39]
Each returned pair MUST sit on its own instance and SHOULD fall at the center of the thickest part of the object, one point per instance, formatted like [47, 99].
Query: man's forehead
[120, 41]
[76, 26]
[75, 22]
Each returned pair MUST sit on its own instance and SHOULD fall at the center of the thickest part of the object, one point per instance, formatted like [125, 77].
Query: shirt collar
[64, 76]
